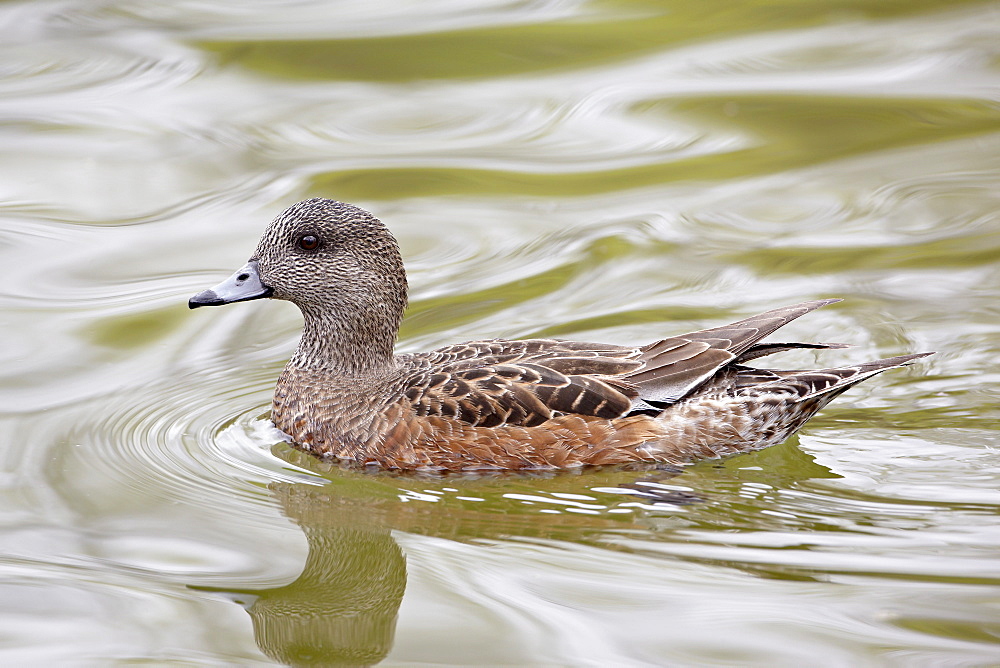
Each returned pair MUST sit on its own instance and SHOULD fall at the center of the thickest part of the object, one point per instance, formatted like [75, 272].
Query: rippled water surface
[615, 170]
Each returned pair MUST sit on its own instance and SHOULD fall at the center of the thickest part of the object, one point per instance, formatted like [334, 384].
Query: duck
[498, 404]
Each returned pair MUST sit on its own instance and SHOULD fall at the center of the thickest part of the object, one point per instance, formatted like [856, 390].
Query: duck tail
[832, 382]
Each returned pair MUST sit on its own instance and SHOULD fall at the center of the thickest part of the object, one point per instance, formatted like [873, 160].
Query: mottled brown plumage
[501, 404]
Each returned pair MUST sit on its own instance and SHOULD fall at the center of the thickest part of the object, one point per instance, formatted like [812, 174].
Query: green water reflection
[780, 132]
[610, 31]
[342, 608]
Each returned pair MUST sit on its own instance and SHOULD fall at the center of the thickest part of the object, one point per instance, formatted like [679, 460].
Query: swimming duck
[501, 404]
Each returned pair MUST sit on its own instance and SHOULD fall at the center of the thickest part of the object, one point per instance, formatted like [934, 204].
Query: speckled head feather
[351, 288]
[502, 404]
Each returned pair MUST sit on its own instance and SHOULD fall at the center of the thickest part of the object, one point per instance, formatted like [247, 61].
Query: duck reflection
[342, 609]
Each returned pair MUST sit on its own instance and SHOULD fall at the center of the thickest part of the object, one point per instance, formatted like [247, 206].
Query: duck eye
[309, 242]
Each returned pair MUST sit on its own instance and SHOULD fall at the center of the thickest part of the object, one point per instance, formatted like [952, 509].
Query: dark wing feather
[524, 383]
[676, 366]
[763, 349]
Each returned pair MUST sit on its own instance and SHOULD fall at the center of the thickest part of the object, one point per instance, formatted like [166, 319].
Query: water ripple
[610, 171]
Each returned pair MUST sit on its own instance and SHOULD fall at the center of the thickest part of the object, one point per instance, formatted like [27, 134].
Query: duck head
[342, 267]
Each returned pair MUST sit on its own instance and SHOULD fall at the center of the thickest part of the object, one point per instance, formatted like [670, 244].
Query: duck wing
[674, 367]
[525, 383]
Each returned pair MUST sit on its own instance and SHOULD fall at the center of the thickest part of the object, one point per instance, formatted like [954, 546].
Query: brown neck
[347, 346]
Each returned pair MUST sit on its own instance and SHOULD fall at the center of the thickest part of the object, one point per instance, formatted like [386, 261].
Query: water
[614, 171]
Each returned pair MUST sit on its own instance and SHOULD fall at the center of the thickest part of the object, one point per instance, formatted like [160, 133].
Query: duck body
[546, 404]
[504, 404]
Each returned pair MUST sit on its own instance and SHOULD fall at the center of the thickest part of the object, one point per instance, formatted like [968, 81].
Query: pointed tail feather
[823, 381]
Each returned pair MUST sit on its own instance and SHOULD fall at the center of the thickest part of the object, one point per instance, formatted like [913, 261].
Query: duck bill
[242, 286]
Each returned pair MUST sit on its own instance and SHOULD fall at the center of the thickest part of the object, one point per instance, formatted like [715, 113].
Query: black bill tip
[205, 298]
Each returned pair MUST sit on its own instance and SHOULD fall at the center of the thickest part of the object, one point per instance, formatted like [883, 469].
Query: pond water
[616, 170]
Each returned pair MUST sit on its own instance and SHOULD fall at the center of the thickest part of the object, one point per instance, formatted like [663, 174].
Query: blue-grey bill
[242, 286]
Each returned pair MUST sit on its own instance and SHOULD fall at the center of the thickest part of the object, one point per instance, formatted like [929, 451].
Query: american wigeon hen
[498, 404]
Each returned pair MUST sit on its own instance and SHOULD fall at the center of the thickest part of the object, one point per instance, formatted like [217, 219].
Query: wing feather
[525, 383]
[493, 383]
[675, 367]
